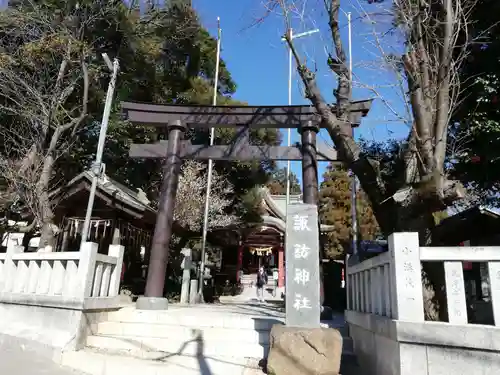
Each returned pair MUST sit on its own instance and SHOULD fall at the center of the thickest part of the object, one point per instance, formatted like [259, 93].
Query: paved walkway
[249, 294]
[16, 361]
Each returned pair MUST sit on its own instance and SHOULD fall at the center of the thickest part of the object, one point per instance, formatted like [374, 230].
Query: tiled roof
[116, 189]
[277, 207]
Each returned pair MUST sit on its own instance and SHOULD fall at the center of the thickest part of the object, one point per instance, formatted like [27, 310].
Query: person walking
[276, 281]
[261, 282]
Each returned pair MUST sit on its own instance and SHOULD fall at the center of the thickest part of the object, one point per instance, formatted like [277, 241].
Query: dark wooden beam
[263, 244]
[262, 240]
[230, 116]
[242, 152]
[265, 235]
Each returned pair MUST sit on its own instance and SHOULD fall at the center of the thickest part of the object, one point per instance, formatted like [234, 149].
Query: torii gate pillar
[308, 133]
[153, 297]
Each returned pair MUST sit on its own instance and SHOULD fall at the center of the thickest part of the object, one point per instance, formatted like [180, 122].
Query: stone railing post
[114, 283]
[10, 268]
[406, 278]
[86, 269]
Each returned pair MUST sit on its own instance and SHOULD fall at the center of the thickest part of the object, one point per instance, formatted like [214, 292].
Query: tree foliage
[165, 56]
[46, 69]
[277, 182]
[476, 124]
[190, 203]
[335, 209]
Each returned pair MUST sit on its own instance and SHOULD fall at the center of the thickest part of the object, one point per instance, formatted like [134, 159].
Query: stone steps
[200, 319]
[94, 362]
[349, 364]
[148, 334]
[229, 340]
[251, 279]
[154, 338]
[223, 334]
[150, 347]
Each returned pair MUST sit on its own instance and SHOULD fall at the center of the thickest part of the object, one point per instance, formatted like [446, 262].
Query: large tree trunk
[48, 236]
[48, 228]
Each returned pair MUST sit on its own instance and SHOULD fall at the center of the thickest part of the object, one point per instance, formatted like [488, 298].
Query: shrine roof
[476, 224]
[280, 200]
[110, 187]
[276, 206]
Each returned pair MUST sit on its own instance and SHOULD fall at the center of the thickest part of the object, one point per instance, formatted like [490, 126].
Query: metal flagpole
[289, 142]
[354, 215]
[210, 165]
[97, 167]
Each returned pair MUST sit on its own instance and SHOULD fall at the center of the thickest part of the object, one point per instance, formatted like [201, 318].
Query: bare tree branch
[44, 93]
[435, 41]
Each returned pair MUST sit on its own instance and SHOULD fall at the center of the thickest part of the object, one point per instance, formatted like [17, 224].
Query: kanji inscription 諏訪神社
[302, 269]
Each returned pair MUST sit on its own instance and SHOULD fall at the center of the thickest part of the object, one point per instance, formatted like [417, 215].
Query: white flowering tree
[190, 203]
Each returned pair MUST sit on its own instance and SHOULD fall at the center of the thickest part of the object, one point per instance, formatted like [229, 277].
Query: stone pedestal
[193, 293]
[151, 303]
[186, 275]
[304, 351]
[186, 279]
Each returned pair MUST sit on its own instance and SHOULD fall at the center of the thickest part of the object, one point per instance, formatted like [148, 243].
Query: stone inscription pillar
[153, 296]
[302, 268]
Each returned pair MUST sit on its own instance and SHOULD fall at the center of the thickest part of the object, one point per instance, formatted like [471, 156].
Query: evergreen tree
[277, 182]
[475, 131]
[335, 209]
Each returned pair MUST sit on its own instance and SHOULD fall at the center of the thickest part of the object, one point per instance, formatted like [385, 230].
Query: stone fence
[49, 300]
[386, 312]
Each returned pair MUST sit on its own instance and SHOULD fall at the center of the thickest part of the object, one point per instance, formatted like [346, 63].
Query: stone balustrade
[386, 318]
[367, 286]
[60, 277]
[51, 301]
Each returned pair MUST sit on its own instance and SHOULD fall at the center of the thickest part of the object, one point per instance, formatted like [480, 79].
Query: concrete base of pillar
[193, 293]
[151, 303]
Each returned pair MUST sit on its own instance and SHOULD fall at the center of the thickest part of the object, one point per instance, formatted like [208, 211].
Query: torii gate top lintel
[230, 116]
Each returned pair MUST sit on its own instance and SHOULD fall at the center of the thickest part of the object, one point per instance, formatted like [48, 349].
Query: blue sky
[258, 60]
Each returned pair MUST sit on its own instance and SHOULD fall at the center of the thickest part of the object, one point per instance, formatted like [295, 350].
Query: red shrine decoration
[467, 266]
[281, 267]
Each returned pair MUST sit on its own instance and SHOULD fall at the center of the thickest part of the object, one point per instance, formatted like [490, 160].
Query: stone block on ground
[304, 351]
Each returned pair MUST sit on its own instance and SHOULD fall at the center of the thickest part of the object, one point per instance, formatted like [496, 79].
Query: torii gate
[177, 118]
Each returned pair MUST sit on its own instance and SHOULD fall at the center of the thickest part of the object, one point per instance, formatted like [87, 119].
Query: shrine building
[260, 244]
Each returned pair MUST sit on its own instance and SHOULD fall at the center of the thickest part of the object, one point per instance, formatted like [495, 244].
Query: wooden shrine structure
[262, 243]
[176, 119]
